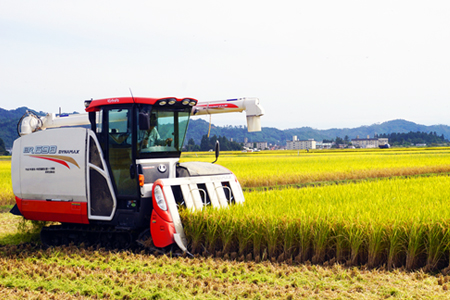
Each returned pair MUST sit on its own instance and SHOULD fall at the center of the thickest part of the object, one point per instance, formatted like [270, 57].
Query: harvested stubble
[392, 222]
[28, 272]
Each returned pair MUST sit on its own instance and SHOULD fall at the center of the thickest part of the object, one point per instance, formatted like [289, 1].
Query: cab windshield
[165, 132]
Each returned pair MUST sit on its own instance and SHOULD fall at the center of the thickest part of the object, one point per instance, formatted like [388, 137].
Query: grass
[16, 230]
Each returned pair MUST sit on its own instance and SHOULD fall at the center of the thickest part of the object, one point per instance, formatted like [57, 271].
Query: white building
[322, 145]
[369, 142]
[296, 144]
[255, 145]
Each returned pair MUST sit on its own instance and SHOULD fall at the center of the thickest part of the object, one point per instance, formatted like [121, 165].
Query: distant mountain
[199, 127]
[8, 123]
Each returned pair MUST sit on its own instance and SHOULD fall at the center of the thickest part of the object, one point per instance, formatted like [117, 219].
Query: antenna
[132, 97]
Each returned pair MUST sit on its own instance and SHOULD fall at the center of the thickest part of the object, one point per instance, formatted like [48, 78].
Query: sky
[321, 64]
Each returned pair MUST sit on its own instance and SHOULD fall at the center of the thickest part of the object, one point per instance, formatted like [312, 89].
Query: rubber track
[106, 237]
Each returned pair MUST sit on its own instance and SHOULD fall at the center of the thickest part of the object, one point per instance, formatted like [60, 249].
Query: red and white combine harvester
[112, 176]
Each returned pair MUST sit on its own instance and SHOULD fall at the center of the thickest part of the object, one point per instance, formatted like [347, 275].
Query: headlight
[159, 197]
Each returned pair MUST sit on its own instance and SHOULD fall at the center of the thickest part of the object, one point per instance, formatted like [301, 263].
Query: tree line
[3, 148]
[207, 144]
[398, 139]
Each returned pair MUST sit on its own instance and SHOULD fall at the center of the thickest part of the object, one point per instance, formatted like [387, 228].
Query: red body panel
[161, 224]
[161, 230]
[56, 211]
[165, 215]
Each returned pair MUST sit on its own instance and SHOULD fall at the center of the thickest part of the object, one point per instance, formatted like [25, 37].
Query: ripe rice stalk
[437, 236]
[321, 238]
[356, 235]
[340, 242]
[289, 230]
[227, 232]
[272, 234]
[258, 237]
[243, 235]
[397, 245]
[376, 244]
[6, 192]
[304, 238]
[212, 231]
[194, 227]
[415, 245]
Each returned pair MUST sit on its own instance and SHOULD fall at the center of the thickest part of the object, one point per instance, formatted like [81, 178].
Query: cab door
[119, 139]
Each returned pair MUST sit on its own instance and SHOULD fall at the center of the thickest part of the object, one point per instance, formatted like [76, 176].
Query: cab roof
[95, 105]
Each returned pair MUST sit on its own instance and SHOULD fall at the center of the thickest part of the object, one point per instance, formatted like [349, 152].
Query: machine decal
[60, 159]
[48, 149]
[219, 105]
[162, 168]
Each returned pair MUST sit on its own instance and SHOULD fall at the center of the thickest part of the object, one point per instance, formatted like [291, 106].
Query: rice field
[6, 194]
[275, 168]
[382, 232]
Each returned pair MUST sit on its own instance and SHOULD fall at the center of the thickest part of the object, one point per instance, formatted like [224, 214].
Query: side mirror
[217, 150]
[144, 121]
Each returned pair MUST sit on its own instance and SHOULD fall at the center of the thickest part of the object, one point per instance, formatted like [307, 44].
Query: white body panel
[146, 190]
[53, 165]
[50, 165]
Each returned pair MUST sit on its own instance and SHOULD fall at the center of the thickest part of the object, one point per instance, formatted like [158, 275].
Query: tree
[207, 144]
[339, 140]
[191, 146]
[3, 148]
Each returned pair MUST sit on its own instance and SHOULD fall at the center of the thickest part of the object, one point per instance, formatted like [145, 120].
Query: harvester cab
[112, 176]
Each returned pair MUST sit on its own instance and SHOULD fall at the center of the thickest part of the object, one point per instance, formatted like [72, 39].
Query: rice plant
[6, 193]
[396, 222]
